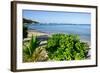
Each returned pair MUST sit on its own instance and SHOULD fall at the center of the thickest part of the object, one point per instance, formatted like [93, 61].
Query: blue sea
[83, 30]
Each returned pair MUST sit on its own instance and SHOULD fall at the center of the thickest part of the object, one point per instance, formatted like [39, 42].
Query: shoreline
[45, 35]
[36, 33]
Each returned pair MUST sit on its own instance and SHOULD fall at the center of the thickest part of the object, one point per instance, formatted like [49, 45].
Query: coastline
[44, 35]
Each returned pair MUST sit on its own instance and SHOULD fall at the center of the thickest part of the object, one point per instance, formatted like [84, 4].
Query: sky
[57, 17]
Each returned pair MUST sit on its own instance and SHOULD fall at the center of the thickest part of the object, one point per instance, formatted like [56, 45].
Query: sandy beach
[36, 33]
[40, 35]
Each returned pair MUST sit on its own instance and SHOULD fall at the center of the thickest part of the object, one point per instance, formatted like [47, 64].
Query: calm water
[82, 30]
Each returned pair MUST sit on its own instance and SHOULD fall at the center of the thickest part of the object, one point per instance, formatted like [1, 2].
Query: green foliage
[66, 47]
[33, 53]
[59, 47]
[33, 44]
[40, 54]
[52, 43]
[25, 33]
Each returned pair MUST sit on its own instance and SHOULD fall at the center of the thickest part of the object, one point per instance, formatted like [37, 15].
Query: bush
[66, 47]
[25, 33]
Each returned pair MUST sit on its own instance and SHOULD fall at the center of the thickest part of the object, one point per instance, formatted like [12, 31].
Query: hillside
[29, 21]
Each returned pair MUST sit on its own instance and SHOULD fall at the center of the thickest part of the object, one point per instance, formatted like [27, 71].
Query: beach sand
[36, 33]
[40, 35]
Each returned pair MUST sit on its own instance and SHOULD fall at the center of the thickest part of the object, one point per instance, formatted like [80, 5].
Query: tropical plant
[33, 52]
[30, 48]
[40, 54]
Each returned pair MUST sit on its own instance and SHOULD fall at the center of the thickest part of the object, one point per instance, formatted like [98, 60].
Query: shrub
[52, 43]
[25, 33]
[66, 47]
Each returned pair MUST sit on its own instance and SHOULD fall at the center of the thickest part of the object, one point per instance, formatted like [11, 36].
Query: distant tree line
[29, 21]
